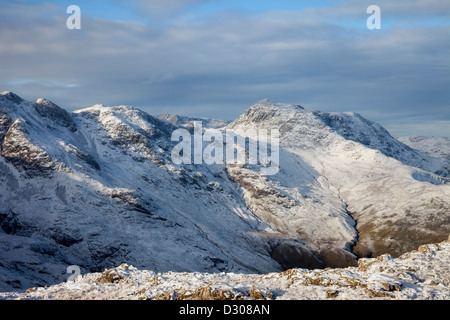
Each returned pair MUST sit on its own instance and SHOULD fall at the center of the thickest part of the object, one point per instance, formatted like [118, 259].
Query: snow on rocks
[420, 274]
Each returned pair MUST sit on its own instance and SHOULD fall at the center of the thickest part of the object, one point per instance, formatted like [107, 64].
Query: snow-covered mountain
[97, 188]
[434, 146]
[345, 173]
[189, 121]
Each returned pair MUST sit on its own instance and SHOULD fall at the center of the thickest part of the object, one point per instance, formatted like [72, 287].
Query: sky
[215, 58]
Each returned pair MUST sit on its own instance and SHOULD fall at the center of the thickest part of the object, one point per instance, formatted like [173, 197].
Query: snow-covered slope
[420, 274]
[434, 146]
[97, 188]
[188, 121]
[101, 190]
[345, 173]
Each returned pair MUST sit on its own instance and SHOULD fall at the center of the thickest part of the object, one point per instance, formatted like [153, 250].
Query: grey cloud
[219, 67]
[161, 8]
[357, 8]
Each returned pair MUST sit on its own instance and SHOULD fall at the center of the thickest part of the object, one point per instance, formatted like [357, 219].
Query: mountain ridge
[97, 187]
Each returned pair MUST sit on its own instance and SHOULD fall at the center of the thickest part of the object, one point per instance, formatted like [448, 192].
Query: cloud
[162, 8]
[399, 8]
[221, 65]
[406, 127]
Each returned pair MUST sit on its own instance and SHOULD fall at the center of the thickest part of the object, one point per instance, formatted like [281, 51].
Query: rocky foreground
[420, 274]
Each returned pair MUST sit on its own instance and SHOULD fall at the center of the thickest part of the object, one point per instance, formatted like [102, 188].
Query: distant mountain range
[434, 146]
[97, 188]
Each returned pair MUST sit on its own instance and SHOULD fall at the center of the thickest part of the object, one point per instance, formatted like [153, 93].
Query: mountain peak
[188, 121]
[267, 110]
[11, 96]
[271, 104]
[95, 109]
[58, 115]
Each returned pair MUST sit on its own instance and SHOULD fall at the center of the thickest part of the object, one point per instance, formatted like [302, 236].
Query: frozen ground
[420, 274]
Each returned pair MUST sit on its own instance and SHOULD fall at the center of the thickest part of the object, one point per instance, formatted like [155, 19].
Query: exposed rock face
[5, 123]
[18, 150]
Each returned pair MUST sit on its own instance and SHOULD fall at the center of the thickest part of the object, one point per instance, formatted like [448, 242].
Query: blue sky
[215, 58]
[112, 9]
